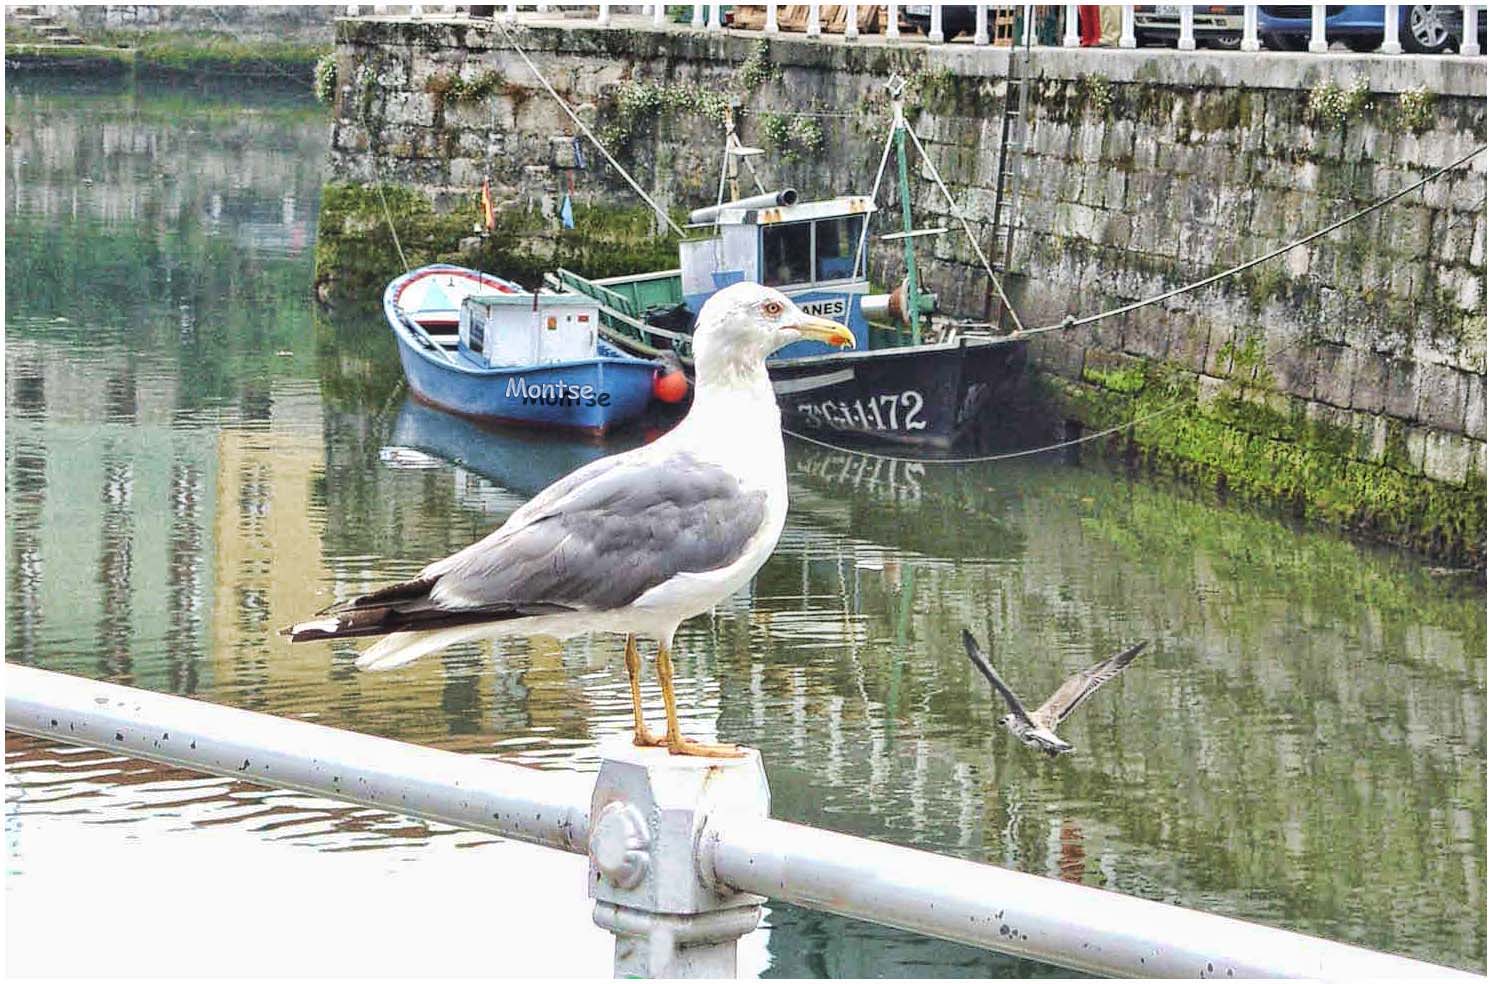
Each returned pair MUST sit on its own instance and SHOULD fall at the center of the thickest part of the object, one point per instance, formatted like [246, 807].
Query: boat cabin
[510, 330]
[806, 247]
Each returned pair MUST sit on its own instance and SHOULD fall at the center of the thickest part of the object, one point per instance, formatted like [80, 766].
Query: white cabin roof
[826, 209]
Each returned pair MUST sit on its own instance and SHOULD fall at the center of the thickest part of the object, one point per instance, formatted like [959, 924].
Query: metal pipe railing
[1069, 925]
[551, 809]
[681, 849]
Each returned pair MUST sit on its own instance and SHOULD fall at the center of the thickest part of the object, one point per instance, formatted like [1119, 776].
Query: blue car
[1423, 27]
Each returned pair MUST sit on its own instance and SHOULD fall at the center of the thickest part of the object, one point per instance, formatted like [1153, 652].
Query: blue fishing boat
[483, 347]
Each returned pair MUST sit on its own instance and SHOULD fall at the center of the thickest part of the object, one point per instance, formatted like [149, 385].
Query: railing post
[1250, 40]
[1188, 39]
[660, 14]
[1070, 37]
[698, 19]
[1028, 24]
[669, 915]
[1318, 29]
[772, 18]
[1127, 26]
[714, 24]
[935, 27]
[981, 24]
[1469, 45]
[814, 28]
[1391, 45]
[511, 16]
[851, 21]
[893, 23]
[603, 14]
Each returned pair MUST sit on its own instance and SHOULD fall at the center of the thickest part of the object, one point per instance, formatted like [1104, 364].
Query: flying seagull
[1038, 728]
[634, 543]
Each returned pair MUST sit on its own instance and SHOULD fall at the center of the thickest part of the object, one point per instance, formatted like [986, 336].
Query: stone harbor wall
[305, 23]
[1346, 381]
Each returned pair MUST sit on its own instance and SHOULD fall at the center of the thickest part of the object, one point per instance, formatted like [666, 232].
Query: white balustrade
[1127, 26]
[852, 21]
[1250, 40]
[1318, 28]
[935, 28]
[1188, 39]
[981, 24]
[1070, 37]
[1469, 44]
[893, 24]
[1391, 45]
[772, 18]
[714, 17]
[814, 28]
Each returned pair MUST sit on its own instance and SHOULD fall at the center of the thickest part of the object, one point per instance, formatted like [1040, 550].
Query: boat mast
[896, 86]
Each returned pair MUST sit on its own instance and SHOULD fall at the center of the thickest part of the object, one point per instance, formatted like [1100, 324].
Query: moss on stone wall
[356, 254]
[1268, 451]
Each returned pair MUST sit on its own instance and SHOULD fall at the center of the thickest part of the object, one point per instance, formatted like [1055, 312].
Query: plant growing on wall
[324, 83]
[1096, 93]
[797, 136]
[757, 69]
[1331, 105]
[1415, 110]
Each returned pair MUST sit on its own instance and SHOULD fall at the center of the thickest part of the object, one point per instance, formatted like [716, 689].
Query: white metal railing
[682, 850]
[708, 17]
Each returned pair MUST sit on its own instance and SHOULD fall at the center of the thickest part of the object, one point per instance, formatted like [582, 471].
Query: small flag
[487, 214]
[567, 213]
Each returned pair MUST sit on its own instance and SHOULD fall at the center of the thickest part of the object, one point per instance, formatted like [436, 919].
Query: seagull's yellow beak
[824, 330]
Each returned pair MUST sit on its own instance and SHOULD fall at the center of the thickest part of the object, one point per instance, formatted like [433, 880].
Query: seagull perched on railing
[1038, 728]
[634, 543]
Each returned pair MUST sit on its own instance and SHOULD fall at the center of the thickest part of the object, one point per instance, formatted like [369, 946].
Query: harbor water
[196, 456]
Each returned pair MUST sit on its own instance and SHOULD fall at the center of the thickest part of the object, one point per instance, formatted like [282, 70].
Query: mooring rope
[662, 213]
[1232, 271]
[1125, 309]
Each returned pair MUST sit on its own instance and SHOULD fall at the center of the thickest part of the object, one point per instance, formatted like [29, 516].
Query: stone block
[1442, 397]
[1220, 337]
[1447, 457]
[1475, 424]
[1336, 367]
[1400, 388]
[1210, 389]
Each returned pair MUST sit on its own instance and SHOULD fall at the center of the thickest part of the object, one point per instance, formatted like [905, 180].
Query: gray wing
[594, 540]
[604, 535]
[1080, 686]
[983, 665]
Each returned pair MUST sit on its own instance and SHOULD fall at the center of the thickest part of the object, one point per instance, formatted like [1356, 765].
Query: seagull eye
[772, 308]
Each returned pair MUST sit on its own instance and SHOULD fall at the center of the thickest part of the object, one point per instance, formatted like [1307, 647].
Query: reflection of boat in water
[913, 506]
[519, 461]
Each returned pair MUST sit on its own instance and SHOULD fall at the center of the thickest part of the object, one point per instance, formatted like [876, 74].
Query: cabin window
[787, 254]
[476, 334]
[835, 242]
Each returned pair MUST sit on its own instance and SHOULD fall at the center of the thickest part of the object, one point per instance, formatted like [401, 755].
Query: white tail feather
[399, 648]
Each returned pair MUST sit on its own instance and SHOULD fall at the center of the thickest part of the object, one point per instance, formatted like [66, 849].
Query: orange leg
[640, 733]
[677, 743]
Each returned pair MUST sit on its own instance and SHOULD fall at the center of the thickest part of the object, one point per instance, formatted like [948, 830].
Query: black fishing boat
[912, 379]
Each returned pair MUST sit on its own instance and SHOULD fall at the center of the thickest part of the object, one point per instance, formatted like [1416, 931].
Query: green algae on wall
[1262, 447]
[356, 255]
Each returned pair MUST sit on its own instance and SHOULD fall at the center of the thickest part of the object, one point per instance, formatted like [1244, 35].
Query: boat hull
[590, 395]
[593, 395]
[916, 396]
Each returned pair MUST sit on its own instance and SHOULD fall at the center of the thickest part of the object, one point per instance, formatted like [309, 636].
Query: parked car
[957, 18]
[1423, 27]
[1214, 26]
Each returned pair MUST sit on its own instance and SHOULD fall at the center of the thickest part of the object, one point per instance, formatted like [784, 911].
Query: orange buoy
[671, 386]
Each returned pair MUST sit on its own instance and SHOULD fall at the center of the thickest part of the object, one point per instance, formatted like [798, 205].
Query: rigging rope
[662, 214]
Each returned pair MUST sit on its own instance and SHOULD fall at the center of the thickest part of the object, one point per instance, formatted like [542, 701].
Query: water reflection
[195, 458]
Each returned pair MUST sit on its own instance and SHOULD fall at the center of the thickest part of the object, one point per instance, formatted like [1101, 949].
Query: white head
[740, 326]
